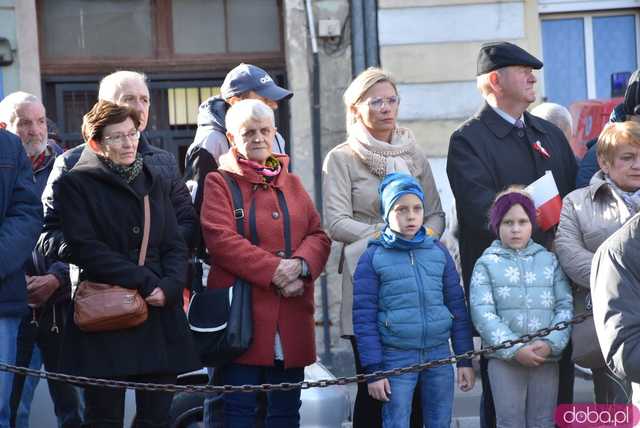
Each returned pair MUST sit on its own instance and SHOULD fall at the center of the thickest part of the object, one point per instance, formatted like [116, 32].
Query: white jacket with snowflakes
[514, 292]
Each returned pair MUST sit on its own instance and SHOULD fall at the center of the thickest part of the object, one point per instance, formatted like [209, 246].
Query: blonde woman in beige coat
[589, 216]
[352, 171]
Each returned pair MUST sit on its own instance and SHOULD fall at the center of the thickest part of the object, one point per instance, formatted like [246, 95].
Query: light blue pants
[436, 388]
[8, 337]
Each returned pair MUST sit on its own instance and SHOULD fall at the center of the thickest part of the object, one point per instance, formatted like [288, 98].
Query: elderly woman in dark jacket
[281, 284]
[101, 203]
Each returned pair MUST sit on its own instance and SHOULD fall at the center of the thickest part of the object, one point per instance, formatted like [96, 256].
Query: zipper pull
[34, 320]
[54, 326]
[411, 256]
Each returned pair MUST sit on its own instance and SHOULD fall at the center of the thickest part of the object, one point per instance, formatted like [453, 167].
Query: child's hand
[380, 389]
[541, 348]
[466, 378]
[527, 357]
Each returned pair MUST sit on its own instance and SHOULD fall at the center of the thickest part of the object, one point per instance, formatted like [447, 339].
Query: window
[581, 52]
[216, 26]
[78, 28]
[94, 36]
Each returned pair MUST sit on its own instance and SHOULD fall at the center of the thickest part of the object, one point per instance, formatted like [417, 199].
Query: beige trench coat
[352, 212]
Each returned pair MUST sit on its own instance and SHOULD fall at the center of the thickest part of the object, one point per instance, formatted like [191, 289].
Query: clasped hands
[533, 354]
[286, 278]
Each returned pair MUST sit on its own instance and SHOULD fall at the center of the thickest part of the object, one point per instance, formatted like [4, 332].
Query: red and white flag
[546, 199]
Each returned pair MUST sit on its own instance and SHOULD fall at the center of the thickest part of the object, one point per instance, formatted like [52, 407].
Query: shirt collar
[506, 116]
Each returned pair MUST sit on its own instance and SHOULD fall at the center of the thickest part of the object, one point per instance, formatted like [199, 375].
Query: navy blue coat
[20, 223]
[419, 291]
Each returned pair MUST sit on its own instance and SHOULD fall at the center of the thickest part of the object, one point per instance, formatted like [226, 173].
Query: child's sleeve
[484, 315]
[365, 313]
[461, 334]
[563, 310]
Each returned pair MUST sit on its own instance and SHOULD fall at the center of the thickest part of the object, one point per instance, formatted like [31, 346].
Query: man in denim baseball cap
[246, 78]
[245, 81]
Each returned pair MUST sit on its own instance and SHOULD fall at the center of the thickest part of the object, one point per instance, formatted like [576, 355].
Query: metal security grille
[172, 119]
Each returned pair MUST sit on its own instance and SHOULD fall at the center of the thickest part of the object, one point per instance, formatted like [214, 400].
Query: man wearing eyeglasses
[502, 145]
[125, 88]
[48, 286]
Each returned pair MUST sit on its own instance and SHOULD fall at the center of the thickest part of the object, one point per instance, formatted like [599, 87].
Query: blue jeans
[8, 337]
[211, 403]
[436, 388]
[283, 407]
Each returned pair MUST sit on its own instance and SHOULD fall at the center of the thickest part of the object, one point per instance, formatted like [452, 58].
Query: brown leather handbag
[105, 307]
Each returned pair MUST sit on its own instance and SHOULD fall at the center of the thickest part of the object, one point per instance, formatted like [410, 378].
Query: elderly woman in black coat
[101, 203]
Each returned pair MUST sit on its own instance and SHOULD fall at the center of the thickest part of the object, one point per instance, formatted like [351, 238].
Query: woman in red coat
[282, 286]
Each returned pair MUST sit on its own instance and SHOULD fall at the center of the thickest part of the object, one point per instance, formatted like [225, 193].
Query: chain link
[323, 383]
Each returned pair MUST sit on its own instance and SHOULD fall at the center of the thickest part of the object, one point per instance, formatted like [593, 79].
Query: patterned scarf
[383, 158]
[270, 169]
[38, 160]
[127, 173]
[631, 199]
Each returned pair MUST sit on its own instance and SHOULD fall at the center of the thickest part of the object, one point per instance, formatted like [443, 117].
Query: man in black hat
[629, 109]
[502, 145]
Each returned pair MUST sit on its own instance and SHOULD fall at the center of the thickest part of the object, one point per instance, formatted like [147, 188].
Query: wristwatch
[304, 271]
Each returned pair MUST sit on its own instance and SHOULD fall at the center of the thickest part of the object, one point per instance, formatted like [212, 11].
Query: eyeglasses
[119, 139]
[377, 103]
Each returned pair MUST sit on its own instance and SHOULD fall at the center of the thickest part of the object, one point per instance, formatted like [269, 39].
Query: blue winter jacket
[408, 299]
[20, 223]
[514, 292]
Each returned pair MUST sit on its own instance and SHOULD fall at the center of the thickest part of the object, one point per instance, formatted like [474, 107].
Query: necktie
[519, 124]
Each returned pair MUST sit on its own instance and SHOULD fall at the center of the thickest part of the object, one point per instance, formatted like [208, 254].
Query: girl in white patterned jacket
[518, 287]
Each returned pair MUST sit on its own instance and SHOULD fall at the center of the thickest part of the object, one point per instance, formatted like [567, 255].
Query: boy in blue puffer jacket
[518, 287]
[407, 304]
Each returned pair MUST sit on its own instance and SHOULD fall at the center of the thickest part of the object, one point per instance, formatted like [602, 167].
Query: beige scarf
[382, 158]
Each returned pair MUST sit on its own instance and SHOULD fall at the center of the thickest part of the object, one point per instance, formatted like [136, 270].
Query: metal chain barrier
[224, 389]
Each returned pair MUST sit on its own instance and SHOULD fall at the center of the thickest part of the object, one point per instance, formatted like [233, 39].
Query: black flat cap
[495, 55]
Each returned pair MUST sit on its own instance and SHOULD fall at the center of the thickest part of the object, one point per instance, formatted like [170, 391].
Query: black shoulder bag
[221, 319]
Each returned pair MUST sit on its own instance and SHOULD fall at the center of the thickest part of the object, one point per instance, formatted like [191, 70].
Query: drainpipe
[317, 172]
[358, 56]
[370, 14]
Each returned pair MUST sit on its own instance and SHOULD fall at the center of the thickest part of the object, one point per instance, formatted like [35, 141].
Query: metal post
[370, 13]
[317, 173]
[358, 58]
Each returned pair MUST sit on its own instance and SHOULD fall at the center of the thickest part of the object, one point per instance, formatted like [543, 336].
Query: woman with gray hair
[281, 253]
[352, 171]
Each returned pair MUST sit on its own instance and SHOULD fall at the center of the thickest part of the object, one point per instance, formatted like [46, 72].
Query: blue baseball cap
[247, 77]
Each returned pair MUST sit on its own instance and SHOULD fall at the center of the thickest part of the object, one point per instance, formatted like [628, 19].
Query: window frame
[589, 54]
[164, 56]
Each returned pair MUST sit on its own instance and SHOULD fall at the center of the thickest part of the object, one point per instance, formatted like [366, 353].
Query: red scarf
[38, 160]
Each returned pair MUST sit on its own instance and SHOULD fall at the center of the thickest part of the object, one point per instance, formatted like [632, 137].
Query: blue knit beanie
[392, 187]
